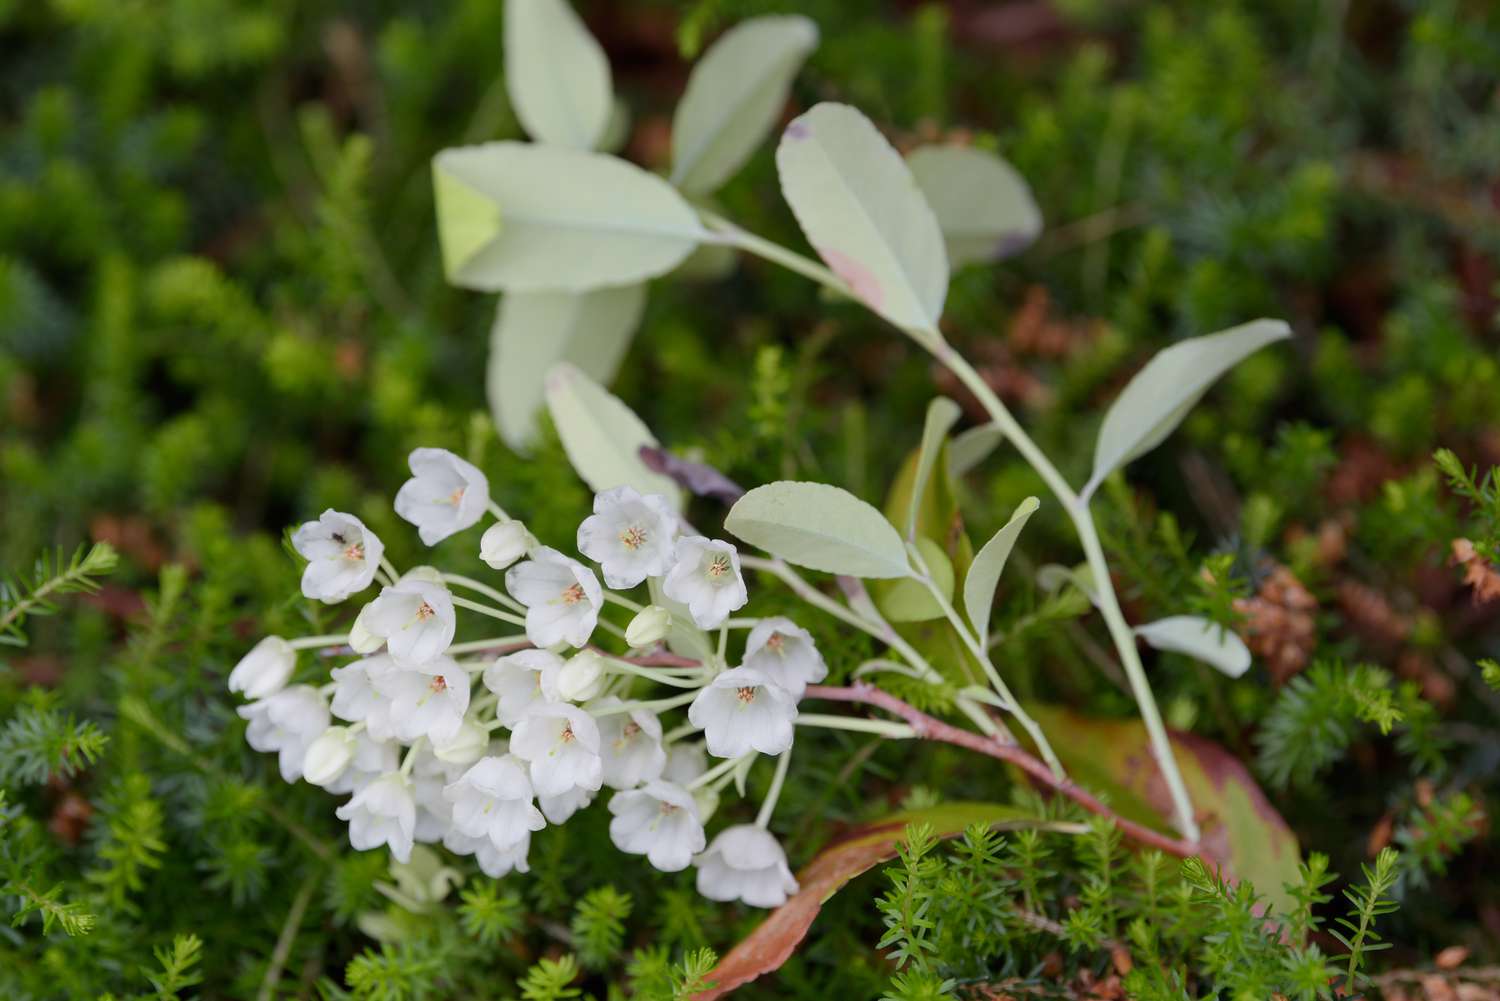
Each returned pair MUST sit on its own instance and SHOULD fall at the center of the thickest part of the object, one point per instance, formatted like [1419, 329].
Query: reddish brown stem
[931, 728]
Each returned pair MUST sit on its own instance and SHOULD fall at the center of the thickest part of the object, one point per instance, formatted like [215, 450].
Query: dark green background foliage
[222, 310]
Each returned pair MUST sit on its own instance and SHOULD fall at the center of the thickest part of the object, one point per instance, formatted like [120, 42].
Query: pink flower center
[356, 551]
[633, 537]
[567, 733]
[630, 730]
[456, 496]
[669, 808]
[718, 567]
[424, 612]
[572, 594]
[439, 684]
[776, 642]
[746, 694]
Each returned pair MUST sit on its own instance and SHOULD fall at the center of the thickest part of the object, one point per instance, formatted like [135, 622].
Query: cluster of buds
[479, 743]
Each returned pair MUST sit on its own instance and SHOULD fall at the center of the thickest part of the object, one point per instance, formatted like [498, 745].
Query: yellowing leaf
[572, 220]
[861, 210]
[733, 98]
[556, 73]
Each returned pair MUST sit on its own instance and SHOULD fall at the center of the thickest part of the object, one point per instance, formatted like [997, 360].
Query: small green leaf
[820, 527]
[860, 208]
[1162, 393]
[733, 98]
[942, 414]
[1200, 639]
[556, 219]
[972, 447]
[907, 599]
[601, 435]
[556, 73]
[983, 206]
[989, 563]
[535, 330]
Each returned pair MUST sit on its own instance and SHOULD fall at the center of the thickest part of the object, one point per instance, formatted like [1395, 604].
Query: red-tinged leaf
[773, 942]
[1242, 831]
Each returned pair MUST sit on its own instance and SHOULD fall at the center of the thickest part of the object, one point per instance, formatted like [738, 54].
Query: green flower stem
[655, 705]
[496, 643]
[489, 592]
[982, 655]
[723, 767]
[493, 613]
[313, 642]
[768, 807]
[1083, 522]
[617, 666]
[622, 601]
[498, 512]
[886, 728]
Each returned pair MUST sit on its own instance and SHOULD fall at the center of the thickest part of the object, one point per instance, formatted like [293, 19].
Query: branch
[931, 728]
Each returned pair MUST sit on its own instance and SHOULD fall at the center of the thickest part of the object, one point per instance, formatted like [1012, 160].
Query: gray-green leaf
[518, 217]
[1162, 393]
[942, 414]
[989, 562]
[861, 210]
[983, 206]
[820, 527]
[535, 330]
[972, 447]
[733, 98]
[601, 435]
[556, 73]
[1200, 639]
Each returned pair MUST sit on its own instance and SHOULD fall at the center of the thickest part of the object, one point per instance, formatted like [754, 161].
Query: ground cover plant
[949, 501]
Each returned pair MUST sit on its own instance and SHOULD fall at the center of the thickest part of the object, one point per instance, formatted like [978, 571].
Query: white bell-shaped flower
[503, 543]
[427, 702]
[414, 617]
[286, 723]
[659, 821]
[493, 800]
[745, 863]
[382, 813]
[561, 595]
[629, 535]
[429, 776]
[557, 809]
[493, 862]
[372, 759]
[705, 576]
[357, 700]
[743, 710]
[784, 652]
[342, 556]
[630, 743]
[265, 670]
[516, 679]
[686, 760]
[444, 496]
[561, 744]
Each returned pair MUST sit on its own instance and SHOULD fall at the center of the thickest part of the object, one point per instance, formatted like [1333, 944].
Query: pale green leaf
[861, 210]
[535, 330]
[983, 206]
[942, 414]
[601, 435]
[733, 98]
[820, 527]
[562, 219]
[556, 73]
[1200, 639]
[972, 447]
[989, 562]
[1162, 393]
[908, 600]
[1053, 577]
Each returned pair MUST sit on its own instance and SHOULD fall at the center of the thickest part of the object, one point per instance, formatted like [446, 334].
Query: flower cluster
[479, 743]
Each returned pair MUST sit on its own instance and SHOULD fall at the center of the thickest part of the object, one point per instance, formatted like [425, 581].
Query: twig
[931, 728]
[287, 937]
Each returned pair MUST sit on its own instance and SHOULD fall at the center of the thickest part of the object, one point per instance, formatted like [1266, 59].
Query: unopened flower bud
[265, 670]
[503, 543]
[581, 677]
[361, 640]
[328, 755]
[426, 574]
[650, 625]
[466, 747]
